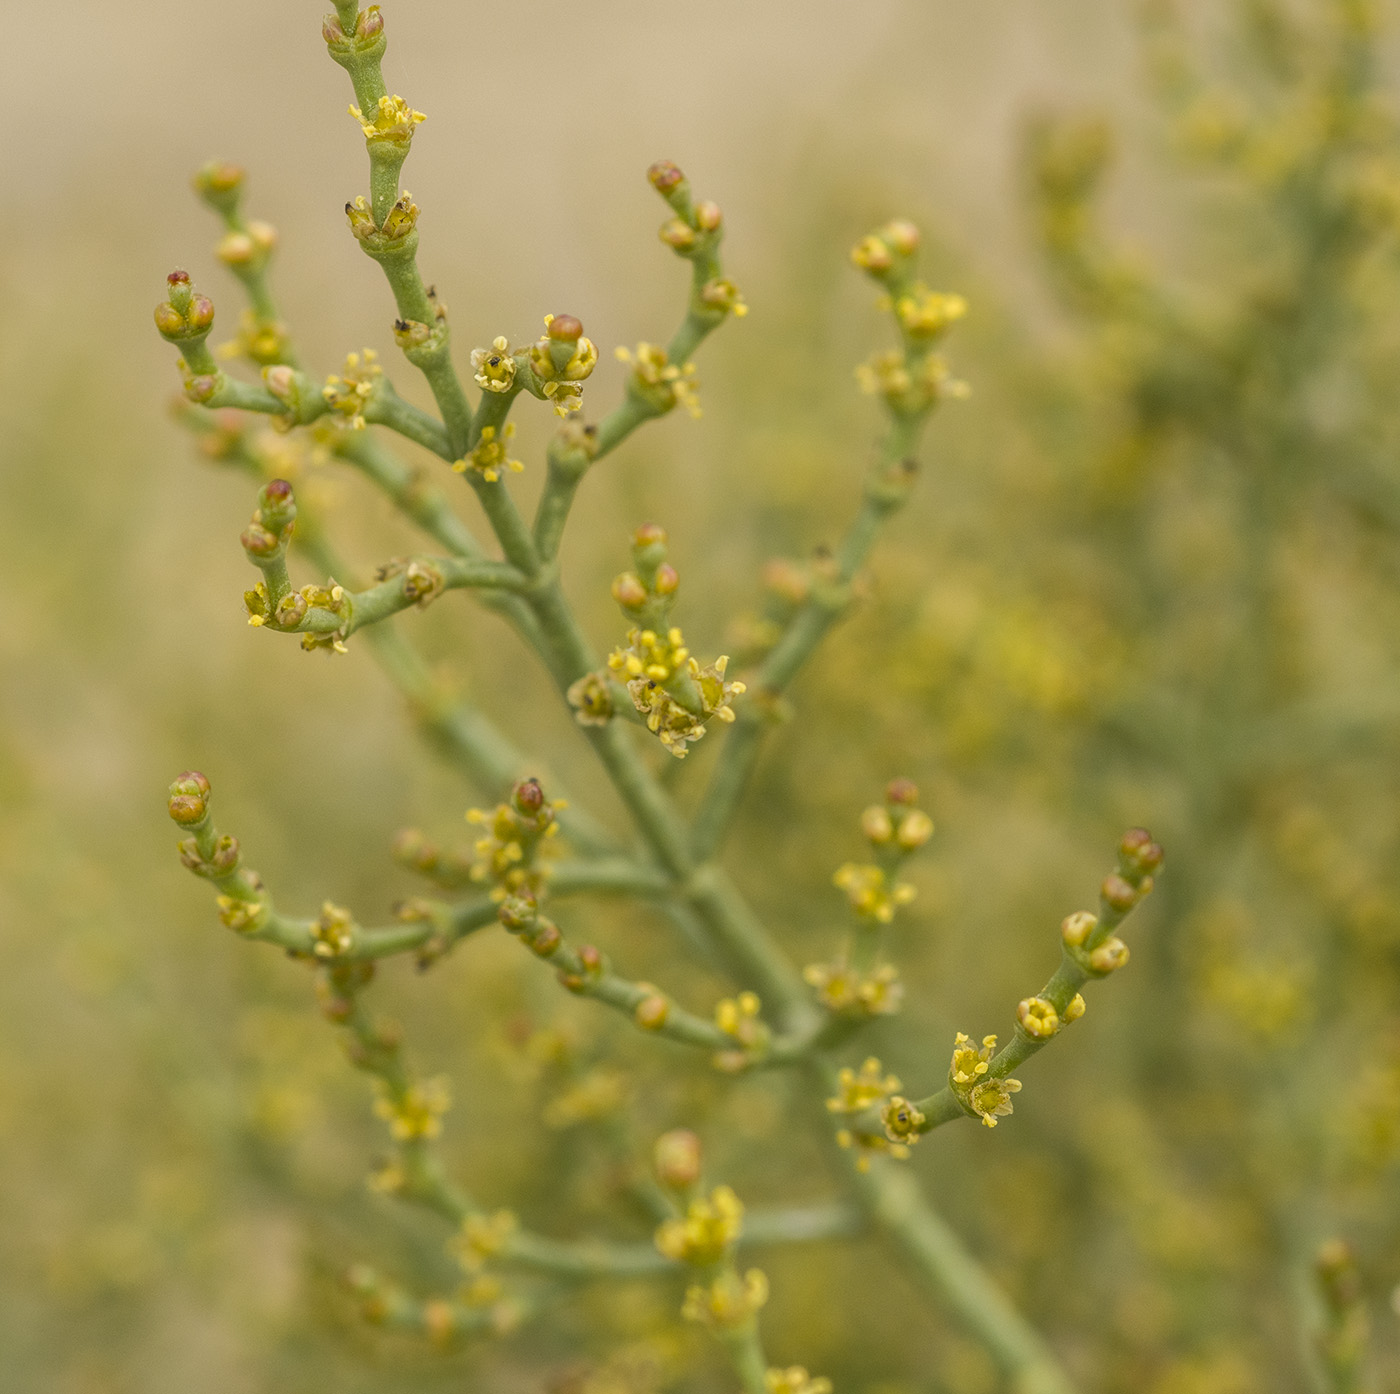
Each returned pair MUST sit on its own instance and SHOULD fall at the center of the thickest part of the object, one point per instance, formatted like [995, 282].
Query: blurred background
[1149, 576]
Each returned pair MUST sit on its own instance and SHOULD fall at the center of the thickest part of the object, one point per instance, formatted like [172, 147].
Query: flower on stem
[723, 295]
[706, 1232]
[423, 581]
[518, 831]
[592, 700]
[415, 1113]
[392, 120]
[348, 392]
[1037, 1017]
[902, 1120]
[491, 454]
[561, 359]
[598, 1094]
[842, 988]
[859, 1091]
[738, 1017]
[928, 314]
[969, 1063]
[909, 387]
[991, 1099]
[494, 367]
[261, 341]
[659, 382]
[676, 1158]
[482, 1237]
[333, 932]
[729, 1301]
[399, 221]
[870, 893]
[794, 1380]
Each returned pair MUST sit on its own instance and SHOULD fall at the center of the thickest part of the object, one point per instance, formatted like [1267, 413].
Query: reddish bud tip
[528, 797]
[565, 329]
[664, 176]
[1118, 894]
[902, 792]
[629, 592]
[649, 535]
[708, 216]
[178, 278]
[277, 491]
[667, 579]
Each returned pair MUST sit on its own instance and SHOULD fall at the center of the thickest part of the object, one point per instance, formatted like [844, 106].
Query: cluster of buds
[366, 35]
[658, 382]
[333, 931]
[560, 361]
[675, 696]
[445, 867]
[706, 1233]
[694, 232]
[739, 1019]
[910, 386]
[981, 1094]
[895, 828]
[186, 316]
[520, 915]
[794, 1380]
[1038, 1018]
[869, 1087]
[1088, 938]
[507, 855]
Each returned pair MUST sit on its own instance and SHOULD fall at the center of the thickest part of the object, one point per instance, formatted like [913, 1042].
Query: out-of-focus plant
[640, 710]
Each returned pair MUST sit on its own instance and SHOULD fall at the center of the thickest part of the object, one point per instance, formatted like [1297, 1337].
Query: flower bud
[189, 798]
[651, 1012]
[216, 181]
[565, 329]
[1138, 854]
[236, 249]
[545, 939]
[649, 535]
[518, 913]
[901, 235]
[528, 797]
[1076, 1008]
[665, 177]
[872, 256]
[667, 580]
[877, 824]
[291, 610]
[1119, 894]
[901, 792]
[915, 829]
[277, 505]
[258, 542]
[1076, 928]
[1111, 954]
[677, 234]
[708, 216]
[1038, 1018]
[677, 1159]
[629, 592]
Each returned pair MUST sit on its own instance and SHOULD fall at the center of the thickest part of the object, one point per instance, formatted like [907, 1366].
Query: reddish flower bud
[565, 329]
[528, 797]
[664, 176]
[677, 1159]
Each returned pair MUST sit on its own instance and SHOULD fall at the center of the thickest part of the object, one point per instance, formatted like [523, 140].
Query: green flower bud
[189, 798]
[677, 1159]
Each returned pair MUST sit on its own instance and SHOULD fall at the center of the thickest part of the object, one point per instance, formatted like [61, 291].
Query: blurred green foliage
[1151, 577]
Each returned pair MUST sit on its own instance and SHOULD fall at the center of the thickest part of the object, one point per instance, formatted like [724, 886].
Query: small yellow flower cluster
[562, 385]
[245, 916]
[482, 1237]
[729, 1301]
[494, 368]
[658, 381]
[415, 1113]
[738, 1017]
[842, 988]
[869, 891]
[348, 392]
[927, 314]
[399, 221]
[517, 832]
[260, 340]
[706, 1232]
[393, 119]
[333, 932]
[422, 581]
[723, 294]
[794, 1380]
[1038, 1018]
[909, 386]
[650, 660]
[598, 1094]
[491, 454]
[869, 1088]
[989, 1099]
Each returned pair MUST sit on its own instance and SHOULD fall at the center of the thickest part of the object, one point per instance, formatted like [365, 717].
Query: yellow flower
[730, 1301]
[969, 1063]
[591, 698]
[348, 392]
[869, 895]
[738, 1017]
[494, 367]
[794, 1380]
[707, 1230]
[332, 934]
[925, 314]
[659, 381]
[1038, 1018]
[860, 1090]
[416, 1113]
[491, 454]
[843, 988]
[903, 1122]
[393, 119]
[992, 1099]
